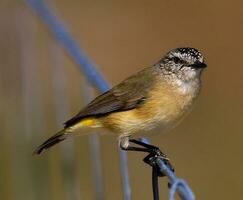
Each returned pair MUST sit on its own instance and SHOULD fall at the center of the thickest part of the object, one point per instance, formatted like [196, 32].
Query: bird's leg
[125, 145]
[154, 152]
[151, 149]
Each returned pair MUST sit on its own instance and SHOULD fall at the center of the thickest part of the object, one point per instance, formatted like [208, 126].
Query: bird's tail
[58, 137]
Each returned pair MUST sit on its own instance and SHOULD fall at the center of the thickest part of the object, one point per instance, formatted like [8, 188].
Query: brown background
[40, 87]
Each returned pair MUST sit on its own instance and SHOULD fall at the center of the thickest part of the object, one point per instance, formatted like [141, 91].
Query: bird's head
[187, 63]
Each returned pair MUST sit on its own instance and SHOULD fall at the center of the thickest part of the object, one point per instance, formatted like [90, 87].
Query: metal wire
[89, 70]
[155, 184]
[177, 185]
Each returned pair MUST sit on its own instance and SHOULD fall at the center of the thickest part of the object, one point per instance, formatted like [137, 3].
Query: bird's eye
[176, 60]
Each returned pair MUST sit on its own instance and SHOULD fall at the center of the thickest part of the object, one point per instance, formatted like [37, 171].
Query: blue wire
[95, 78]
[62, 35]
[177, 185]
[86, 66]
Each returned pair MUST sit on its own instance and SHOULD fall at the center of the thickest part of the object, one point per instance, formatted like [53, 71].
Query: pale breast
[165, 106]
[171, 103]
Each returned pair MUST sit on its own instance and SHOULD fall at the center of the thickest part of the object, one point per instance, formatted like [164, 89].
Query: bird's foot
[154, 154]
[151, 158]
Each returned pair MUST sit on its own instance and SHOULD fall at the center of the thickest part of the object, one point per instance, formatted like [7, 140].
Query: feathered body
[157, 95]
[166, 103]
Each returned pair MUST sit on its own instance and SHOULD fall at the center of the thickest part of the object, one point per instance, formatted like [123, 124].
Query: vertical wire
[61, 102]
[30, 93]
[86, 66]
[155, 183]
[124, 175]
[95, 154]
[96, 169]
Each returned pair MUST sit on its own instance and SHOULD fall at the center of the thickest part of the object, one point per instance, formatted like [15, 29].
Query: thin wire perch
[95, 78]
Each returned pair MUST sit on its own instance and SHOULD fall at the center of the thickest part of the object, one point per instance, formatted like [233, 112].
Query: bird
[159, 95]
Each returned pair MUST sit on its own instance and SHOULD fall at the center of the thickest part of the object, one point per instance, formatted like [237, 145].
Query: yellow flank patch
[88, 122]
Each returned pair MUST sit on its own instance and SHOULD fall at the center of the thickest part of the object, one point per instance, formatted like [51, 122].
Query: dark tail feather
[60, 136]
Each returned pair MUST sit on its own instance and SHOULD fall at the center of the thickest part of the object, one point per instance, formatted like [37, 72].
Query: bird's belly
[125, 122]
[165, 106]
[164, 113]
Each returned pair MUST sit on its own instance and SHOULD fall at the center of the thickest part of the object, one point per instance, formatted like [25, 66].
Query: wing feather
[125, 96]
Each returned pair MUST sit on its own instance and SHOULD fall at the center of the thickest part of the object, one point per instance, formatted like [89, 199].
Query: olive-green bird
[159, 95]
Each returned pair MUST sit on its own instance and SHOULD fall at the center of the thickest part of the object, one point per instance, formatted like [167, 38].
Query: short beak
[199, 65]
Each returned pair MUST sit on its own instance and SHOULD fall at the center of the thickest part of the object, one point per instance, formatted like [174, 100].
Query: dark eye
[176, 60]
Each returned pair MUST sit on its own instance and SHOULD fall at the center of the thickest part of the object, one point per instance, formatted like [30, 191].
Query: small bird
[159, 95]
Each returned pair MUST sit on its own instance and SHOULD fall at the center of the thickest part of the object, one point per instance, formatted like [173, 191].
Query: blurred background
[41, 87]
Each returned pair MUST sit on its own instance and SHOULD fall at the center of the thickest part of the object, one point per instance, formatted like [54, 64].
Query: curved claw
[151, 160]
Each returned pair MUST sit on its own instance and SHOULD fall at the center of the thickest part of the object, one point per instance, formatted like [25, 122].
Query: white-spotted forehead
[189, 54]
